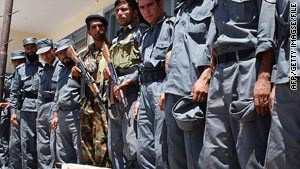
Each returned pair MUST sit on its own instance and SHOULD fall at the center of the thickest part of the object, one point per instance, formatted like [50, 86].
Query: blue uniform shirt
[237, 28]
[67, 90]
[283, 57]
[156, 42]
[189, 51]
[26, 79]
[48, 81]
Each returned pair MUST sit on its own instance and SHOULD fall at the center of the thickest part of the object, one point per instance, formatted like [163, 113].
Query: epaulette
[20, 65]
[178, 7]
[170, 19]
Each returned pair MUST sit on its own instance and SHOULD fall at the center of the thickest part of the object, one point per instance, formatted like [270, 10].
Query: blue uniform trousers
[284, 140]
[68, 139]
[28, 139]
[122, 138]
[15, 156]
[229, 143]
[152, 136]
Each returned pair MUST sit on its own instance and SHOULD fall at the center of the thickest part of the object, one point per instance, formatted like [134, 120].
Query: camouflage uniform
[94, 121]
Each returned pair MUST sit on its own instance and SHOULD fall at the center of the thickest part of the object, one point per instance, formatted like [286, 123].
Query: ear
[160, 3]
[135, 13]
[88, 32]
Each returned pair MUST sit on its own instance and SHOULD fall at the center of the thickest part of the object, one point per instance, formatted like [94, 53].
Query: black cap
[96, 17]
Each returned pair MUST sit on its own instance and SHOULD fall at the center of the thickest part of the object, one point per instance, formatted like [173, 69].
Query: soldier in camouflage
[94, 121]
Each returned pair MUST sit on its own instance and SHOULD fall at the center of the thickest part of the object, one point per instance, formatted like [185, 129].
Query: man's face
[124, 14]
[48, 56]
[63, 57]
[97, 30]
[151, 10]
[30, 51]
[17, 62]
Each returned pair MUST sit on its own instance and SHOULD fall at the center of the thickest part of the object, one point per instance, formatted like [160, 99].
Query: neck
[98, 44]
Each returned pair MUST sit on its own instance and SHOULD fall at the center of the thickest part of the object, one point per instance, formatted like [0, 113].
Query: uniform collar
[128, 29]
[159, 22]
[53, 64]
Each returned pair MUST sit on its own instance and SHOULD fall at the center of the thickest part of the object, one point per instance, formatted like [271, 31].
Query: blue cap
[189, 115]
[30, 40]
[18, 54]
[44, 45]
[64, 44]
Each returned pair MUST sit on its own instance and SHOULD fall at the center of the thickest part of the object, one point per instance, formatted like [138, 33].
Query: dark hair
[131, 3]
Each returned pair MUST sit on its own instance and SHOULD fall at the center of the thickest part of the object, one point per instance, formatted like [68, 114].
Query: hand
[161, 102]
[106, 73]
[4, 105]
[262, 90]
[262, 87]
[271, 99]
[75, 72]
[212, 59]
[200, 88]
[13, 120]
[54, 121]
[125, 83]
[136, 109]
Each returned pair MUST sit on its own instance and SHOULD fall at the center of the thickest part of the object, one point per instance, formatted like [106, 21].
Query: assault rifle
[121, 101]
[87, 77]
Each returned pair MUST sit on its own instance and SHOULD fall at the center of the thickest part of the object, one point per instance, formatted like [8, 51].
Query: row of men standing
[222, 53]
[239, 49]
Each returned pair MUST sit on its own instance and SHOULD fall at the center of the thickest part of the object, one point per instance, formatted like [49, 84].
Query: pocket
[161, 49]
[243, 10]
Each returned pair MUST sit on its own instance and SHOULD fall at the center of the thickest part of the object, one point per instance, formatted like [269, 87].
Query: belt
[30, 95]
[234, 56]
[126, 71]
[69, 107]
[153, 76]
[48, 99]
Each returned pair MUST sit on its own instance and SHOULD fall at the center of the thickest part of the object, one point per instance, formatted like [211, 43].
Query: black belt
[73, 107]
[48, 99]
[30, 95]
[234, 56]
[126, 71]
[153, 76]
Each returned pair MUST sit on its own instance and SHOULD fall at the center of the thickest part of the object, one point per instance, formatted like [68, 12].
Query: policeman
[122, 135]
[66, 109]
[188, 73]
[15, 159]
[47, 88]
[94, 121]
[283, 149]
[17, 58]
[4, 124]
[242, 65]
[151, 125]
[26, 81]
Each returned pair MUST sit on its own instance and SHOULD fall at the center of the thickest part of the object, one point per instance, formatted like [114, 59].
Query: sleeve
[54, 106]
[15, 90]
[266, 27]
